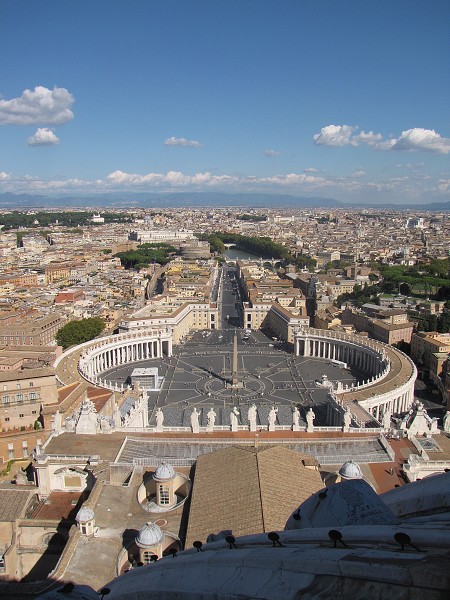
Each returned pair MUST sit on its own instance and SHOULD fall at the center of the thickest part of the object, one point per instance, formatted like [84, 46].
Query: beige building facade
[22, 395]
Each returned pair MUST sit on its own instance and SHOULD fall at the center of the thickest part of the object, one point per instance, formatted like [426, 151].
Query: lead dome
[149, 535]
[350, 470]
[164, 472]
[84, 515]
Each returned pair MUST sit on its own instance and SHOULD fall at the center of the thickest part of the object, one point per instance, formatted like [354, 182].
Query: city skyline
[338, 100]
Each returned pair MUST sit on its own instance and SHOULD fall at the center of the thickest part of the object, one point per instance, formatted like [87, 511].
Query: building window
[18, 386]
[31, 384]
[5, 399]
[147, 556]
[6, 419]
[34, 412]
[19, 397]
[21, 415]
[10, 452]
[32, 395]
[164, 494]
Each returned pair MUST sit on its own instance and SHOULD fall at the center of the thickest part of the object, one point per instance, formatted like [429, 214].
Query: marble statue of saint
[211, 416]
[387, 420]
[347, 418]
[159, 418]
[194, 420]
[310, 416]
[233, 419]
[446, 422]
[273, 415]
[251, 416]
[296, 417]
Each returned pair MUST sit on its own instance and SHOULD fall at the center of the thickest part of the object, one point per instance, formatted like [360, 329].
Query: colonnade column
[306, 347]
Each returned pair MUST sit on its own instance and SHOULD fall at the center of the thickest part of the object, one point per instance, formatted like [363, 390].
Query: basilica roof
[248, 490]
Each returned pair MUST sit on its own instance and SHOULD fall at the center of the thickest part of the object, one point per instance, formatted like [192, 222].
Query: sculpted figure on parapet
[234, 419]
[194, 420]
[251, 416]
[347, 418]
[446, 422]
[273, 415]
[211, 416]
[159, 418]
[310, 416]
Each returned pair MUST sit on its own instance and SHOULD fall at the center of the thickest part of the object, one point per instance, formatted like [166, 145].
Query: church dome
[149, 535]
[164, 472]
[350, 470]
[84, 515]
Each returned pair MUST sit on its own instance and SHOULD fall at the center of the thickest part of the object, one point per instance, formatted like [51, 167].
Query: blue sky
[346, 99]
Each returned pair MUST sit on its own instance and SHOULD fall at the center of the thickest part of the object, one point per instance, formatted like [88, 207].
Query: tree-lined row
[16, 219]
[147, 254]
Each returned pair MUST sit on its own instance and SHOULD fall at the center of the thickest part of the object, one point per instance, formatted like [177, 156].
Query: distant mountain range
[195, 199]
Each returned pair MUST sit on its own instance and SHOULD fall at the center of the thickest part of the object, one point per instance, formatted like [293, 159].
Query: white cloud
[271, 153]
[443, 185]
[311, 170]
[38, 106]
[370, 138]
[411, 139]
[169, 179]
[356, 186]
[422, 139]
[334, 135]
[345, 135]
[174, 141]
[43, 137]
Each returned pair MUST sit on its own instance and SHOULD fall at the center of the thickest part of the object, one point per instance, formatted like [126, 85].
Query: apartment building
[22, 394]
[32, 329]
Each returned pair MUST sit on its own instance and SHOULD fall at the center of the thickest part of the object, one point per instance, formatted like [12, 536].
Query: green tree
[77, 332]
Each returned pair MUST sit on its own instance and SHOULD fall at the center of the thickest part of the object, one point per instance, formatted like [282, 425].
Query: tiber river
[233, 254]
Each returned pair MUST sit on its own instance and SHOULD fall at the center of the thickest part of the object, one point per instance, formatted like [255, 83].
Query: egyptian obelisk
[234, 374]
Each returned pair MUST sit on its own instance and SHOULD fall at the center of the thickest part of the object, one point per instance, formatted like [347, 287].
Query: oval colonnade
[391, 374]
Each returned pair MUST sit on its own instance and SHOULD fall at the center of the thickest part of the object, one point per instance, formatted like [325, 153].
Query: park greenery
[20, 220]
[77, 332]
[424, 280]
[147, 254]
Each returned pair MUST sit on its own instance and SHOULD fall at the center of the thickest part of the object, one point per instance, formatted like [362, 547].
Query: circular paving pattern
[199, 374]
